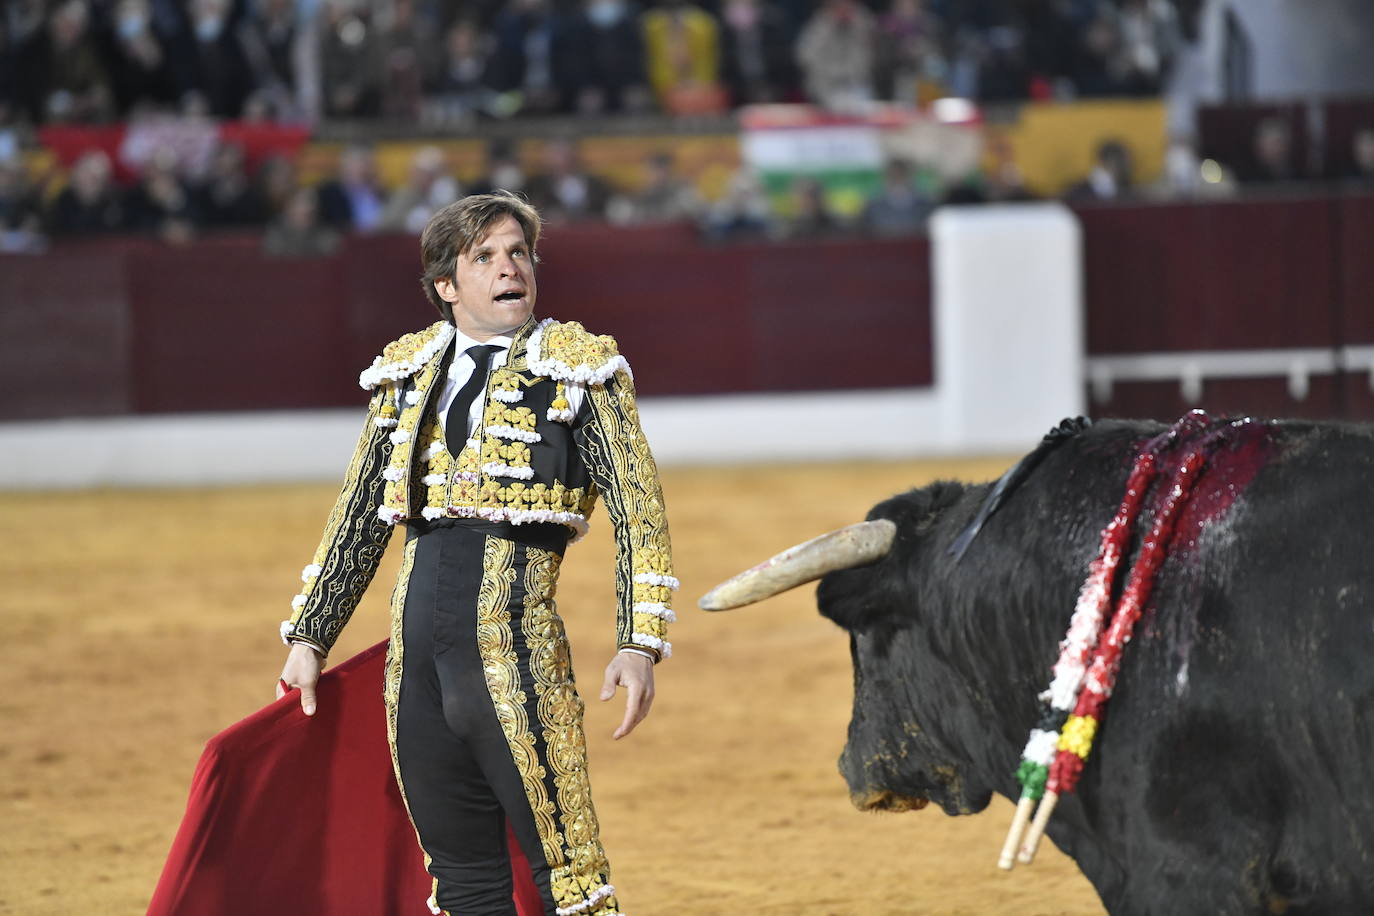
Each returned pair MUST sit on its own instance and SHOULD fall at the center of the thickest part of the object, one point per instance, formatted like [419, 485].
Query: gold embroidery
[628, 478]
[407, 346]
[398, 490]
[353, 541]
[560, 713]
[571, 343]
[391, 683]
[500, 665]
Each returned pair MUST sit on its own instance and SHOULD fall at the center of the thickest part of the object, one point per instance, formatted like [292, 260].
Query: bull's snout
[867, 794]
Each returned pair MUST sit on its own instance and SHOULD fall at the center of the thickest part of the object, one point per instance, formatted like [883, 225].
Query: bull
[1234, 768]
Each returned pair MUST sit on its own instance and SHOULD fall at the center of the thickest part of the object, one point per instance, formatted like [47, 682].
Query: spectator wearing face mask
[608, 72]
[214, 62]
[61, 71]
[463, 87]
[756, 52]
[139, 63]
[836, 51]
[349, 73]
[284, 56]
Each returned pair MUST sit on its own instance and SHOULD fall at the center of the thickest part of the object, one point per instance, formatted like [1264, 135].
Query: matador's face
[493, 287]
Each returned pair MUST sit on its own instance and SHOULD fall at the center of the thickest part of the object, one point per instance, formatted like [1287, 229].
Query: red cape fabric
[293, 814]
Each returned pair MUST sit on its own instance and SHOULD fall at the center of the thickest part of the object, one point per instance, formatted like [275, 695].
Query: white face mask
[208, 29]
[606, 13]
[132, 25]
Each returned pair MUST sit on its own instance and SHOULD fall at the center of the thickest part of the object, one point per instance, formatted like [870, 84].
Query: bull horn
[844, 548]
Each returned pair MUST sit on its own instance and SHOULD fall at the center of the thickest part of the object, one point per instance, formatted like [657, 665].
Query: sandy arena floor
[136, 624]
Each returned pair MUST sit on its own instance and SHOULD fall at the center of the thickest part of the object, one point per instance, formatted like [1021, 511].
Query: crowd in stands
[305, 219]
[452, 61]
[455, 61]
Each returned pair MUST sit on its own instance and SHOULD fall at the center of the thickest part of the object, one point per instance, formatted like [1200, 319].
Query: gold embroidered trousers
[485, 721]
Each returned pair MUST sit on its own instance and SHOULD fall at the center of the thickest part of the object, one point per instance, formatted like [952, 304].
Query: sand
[136, 624]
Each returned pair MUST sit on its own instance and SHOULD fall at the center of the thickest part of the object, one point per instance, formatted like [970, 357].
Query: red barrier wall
[133, 326]
[1255, 274]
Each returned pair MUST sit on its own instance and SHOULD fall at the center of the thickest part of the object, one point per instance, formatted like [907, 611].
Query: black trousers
[486, 723]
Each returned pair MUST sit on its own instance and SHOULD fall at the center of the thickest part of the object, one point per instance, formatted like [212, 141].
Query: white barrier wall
[1007, 311]
[1008, 323]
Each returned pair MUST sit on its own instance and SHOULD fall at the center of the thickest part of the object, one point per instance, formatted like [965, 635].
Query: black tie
[456, 423]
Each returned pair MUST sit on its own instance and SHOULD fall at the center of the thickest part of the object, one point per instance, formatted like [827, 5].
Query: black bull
[1234, 769]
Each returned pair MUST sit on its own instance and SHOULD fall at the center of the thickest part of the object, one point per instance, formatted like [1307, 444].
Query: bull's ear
[853, 545]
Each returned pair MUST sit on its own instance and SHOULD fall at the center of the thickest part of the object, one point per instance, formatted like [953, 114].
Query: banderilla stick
[1024, 807]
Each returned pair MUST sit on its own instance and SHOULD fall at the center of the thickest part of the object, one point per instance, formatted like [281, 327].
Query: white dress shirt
[460, 370]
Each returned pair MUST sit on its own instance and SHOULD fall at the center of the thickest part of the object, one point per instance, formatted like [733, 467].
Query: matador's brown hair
[462, 224]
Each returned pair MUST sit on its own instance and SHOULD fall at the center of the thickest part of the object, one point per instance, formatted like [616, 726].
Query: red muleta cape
[299, 815]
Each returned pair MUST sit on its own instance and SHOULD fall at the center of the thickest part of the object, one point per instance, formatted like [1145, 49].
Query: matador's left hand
[635, 673]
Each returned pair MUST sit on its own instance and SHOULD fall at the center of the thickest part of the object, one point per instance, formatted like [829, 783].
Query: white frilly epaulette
[567, 351]
[404, 357]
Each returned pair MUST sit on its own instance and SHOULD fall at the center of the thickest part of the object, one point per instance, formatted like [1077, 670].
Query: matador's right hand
[302, 669]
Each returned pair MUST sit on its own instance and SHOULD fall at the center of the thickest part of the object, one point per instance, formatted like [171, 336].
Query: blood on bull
[1211, 579]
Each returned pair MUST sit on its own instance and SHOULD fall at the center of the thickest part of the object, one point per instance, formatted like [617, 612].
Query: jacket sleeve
[353, 543]
[617, 457]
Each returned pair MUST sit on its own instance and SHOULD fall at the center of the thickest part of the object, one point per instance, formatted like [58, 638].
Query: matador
[490, 436]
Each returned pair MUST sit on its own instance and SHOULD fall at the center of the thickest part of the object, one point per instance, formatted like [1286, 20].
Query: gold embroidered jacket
[533, 459]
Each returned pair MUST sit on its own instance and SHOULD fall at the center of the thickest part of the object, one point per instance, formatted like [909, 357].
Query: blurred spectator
[10, 96]
[275, 183]
[348, 61]
[140, 66]
[742, 213]
[665, 197]
[836, 51]
[756, 52]
[564, 191]
[90, 203]
[297, 232]
[1101, 67]
[227, 197]
[428, 188]
[61, 70]
[1004, 73]
[21, 224]
[682, 51]
[1150, 38]
[354, 200]
[908, 50]
[1110, 178]
[160, 204]
[609, 74]
[898, 208]
[462, 88]
[523, 61]
[216, 64]
[1274, 158]
[1186, 175]
[409, 55]
[811, 217]
[503, 170]
[284, 58]
[1362, 155]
